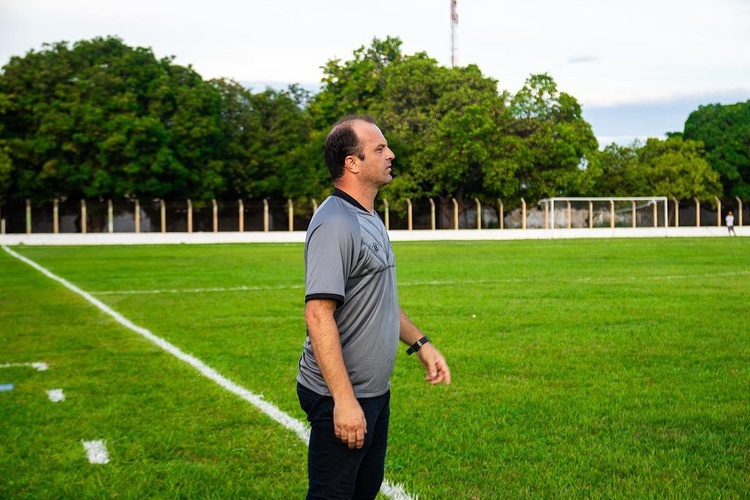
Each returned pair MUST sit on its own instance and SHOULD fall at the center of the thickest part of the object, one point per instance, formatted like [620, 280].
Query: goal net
[571, 213]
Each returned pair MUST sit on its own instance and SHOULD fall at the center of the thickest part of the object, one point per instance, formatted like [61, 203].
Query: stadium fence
[135, 216]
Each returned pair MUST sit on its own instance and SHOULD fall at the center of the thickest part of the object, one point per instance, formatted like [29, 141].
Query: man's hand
[349, 423]
[434, 363]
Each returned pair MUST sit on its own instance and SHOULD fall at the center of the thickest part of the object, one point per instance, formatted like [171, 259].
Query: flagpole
[454, 24]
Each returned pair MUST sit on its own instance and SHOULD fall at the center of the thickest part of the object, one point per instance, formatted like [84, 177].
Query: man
[729, 219]
[353, 320]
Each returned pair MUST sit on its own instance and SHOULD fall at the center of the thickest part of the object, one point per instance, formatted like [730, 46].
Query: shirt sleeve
[329, 257]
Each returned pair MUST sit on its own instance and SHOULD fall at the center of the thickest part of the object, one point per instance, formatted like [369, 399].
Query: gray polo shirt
[349, 258]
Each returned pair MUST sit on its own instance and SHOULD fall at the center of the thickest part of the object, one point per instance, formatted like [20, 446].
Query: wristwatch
[417, 345]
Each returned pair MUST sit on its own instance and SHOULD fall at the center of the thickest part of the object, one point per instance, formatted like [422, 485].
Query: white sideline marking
[40, 367]
[394, 491]
[96, 452]
[56, 395]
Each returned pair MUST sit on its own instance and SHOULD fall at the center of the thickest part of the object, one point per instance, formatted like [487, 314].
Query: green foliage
[5, 171]
[105, 120]
[673, 167]
[240, 138]
[99, 119]
[615, 165]
[725, 133]
[285, 129]
[6, 165]
[444, 124]
[448, 122]
[263, 142]
[551, 140]
[354, 86]
[676, 168]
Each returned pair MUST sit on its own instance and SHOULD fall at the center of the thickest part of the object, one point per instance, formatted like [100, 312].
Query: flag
[454, 11]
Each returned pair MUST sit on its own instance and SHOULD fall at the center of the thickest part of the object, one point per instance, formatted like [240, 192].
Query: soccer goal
[605, 212]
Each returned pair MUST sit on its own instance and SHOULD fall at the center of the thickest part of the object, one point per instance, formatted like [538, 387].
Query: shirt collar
[347, 197]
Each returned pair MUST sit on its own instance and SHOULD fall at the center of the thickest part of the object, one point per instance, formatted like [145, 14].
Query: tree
[550, 141]
[672, 167]
[724, 131]
[241, 136]
[447, 124]
[6, 164]
[354, 86]
[454, 135]
[443, 124]
[105, 120]
[616, 164]
[286, 129]
[263, 142]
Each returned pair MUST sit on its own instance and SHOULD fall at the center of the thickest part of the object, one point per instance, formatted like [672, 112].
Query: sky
[638, 67]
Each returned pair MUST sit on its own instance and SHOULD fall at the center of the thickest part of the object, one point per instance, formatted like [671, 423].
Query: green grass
[581, 368]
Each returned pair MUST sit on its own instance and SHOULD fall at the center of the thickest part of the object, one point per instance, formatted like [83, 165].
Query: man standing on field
[353, 320]
[729, 220]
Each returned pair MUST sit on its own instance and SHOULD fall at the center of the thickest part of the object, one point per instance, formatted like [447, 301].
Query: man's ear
[351, 163]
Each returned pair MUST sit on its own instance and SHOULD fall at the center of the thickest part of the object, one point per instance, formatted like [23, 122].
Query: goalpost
[581, 212]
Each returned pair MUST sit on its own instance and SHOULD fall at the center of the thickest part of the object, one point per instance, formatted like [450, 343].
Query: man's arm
[348, 418]
[433, 361]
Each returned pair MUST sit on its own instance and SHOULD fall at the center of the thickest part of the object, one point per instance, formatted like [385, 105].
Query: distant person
[729, 219]
[354, 321]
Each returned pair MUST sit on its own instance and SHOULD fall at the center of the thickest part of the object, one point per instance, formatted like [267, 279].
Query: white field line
[603, 279]
[56, 395]
[96, 452]
[40, 367]
[599, 279]
[290, 423]
[199, 290]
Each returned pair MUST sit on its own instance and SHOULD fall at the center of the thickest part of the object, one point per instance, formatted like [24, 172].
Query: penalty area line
[299, 428]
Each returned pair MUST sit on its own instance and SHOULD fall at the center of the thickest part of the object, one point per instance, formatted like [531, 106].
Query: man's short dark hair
[341, 142]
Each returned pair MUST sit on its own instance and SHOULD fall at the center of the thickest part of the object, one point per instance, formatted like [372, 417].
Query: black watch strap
[417, 345]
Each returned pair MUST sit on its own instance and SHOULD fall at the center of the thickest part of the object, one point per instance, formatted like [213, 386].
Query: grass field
[581, 368]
